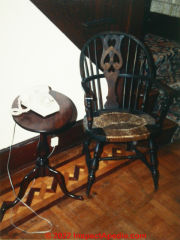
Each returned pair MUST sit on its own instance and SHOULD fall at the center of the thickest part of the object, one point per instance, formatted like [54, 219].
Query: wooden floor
[122, 203]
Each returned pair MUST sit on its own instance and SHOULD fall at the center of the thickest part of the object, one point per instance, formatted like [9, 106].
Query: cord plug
[54, 141]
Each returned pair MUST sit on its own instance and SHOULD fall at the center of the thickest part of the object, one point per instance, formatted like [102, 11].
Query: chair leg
[87, 152]
[131, 146]
[154, 162]
[93, 166]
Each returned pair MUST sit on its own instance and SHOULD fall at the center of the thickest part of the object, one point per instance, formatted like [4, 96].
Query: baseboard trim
[24, 154]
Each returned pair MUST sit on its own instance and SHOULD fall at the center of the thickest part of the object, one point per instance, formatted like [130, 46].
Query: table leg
[46, 170]
[23, 187]
[60, 179]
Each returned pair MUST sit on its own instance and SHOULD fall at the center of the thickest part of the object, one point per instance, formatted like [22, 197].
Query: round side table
[31, 121]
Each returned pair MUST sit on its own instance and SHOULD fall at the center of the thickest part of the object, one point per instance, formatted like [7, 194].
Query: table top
[33, 122]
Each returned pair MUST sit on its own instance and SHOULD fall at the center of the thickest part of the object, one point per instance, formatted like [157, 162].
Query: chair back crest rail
[119, 63]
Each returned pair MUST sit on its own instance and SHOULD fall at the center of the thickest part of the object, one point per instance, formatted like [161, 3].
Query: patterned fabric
[166, 55]
[174, 115]
[167, 7]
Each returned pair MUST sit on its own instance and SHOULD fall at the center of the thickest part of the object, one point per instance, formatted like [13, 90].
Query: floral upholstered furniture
[166, 55]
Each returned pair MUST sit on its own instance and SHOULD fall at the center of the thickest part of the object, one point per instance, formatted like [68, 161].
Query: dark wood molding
[80, 20]
[163, 25]
[24, 154]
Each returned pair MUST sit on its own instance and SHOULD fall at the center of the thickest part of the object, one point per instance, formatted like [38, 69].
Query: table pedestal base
[42, 169]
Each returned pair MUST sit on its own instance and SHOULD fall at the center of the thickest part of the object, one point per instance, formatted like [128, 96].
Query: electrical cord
[20, 200]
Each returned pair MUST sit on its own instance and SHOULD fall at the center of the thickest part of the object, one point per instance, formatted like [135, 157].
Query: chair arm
[166, 99]
[88, 102]
[89, 99]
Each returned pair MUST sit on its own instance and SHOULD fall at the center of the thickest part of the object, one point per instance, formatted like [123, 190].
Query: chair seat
[117, 126]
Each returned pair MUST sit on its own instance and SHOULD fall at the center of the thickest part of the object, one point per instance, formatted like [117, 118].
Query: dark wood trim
[163, 25]
[24, 154]
[169, 128]
[79, 20]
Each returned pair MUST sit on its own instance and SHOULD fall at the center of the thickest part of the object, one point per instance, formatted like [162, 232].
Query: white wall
[33, 51]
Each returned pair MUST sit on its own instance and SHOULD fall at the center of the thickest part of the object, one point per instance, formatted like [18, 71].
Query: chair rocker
[117, 73]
